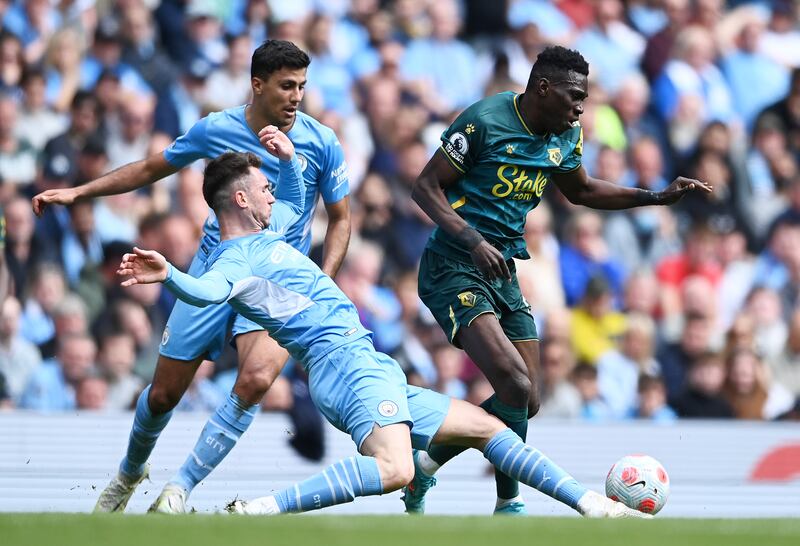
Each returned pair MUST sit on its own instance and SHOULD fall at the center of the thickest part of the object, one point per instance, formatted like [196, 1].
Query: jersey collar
[519, 115]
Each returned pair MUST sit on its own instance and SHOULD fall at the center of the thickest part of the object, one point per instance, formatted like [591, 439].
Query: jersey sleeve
[574, 155]
[188, 147]
[463, 141]
[334, 182]
[215, 285]
[290, 195]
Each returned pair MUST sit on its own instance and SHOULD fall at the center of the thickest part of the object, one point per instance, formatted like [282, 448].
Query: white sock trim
[502, 503]
[426, 464]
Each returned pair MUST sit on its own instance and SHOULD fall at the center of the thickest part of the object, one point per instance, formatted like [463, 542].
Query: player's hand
[490, 262]
[143, 267]
[681, 186]
[62, 196]
[276, 142]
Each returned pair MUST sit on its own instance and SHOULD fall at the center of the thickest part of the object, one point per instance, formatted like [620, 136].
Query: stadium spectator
[45, 288]
[702, 397]
[17, 156]
[91, 394]
[585, 256]
[540, 276]
[677, 358]
[612, 48]
[559, 397]
[785, 367]
[618, 371]
[659, 45]
[593, 406]
[115, 359]
[443, 65]
[229, 85]
[52, 386]
[141, 49]
[25, 248]
[652, 402]
[749, 390]
[19, 358]
[595, 326]
[202, 394]
[37, 122]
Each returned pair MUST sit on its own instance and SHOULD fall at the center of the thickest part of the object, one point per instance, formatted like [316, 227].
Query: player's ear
[240, 198]
[257, 84]
[543, 87]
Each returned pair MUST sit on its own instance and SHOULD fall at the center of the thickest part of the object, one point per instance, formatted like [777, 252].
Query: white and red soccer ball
[639, 482]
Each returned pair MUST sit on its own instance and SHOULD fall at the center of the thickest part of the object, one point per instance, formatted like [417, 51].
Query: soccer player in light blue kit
[192, 334]
[359, 390]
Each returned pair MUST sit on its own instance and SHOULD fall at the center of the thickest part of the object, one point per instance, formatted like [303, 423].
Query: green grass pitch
[220, 530]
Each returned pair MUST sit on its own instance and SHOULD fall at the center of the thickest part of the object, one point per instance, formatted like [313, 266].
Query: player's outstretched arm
[438, 175]
[582, 189]
[128, 177]
[148, 266]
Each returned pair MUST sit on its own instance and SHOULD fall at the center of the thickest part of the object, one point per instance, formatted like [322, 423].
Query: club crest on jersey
[165, 336]
[467, 299]
[303, 162]
[554, 154]
[387, 408]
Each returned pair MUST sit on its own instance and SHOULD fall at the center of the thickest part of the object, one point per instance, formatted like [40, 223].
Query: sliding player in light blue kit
[359, 390]
[278, 81]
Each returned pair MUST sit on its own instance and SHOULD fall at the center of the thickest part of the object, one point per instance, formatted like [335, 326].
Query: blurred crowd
[655, 313]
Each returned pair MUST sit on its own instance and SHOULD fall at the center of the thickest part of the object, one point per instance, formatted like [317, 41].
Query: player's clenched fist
[63, 196]
[276, 142]
[143, 267]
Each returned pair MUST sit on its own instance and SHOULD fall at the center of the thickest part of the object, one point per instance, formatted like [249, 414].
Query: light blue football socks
[218, 437]
[144, 434]
[507, 452]
[339, 483]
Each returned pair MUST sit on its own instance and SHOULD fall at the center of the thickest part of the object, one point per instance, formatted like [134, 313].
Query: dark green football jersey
[506, 168]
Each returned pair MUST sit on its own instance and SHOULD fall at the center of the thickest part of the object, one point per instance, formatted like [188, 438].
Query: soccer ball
[639, 482]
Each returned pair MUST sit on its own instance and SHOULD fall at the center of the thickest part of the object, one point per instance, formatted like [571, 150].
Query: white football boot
[595, 505]
[172, 500]
[262, 506]
[119, 491]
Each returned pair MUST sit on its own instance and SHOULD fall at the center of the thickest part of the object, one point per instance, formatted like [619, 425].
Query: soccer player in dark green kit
[493, 166]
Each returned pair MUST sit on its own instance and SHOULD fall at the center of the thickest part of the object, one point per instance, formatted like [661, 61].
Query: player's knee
[251, 385]
[516, 387]
[533, 404]
[396, 473]
[161, 399]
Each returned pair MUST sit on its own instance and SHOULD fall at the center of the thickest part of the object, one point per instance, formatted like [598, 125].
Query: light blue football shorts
[356, 387]
[192, 331]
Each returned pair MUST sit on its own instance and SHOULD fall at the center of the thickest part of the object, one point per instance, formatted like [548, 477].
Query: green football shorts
[457, 293]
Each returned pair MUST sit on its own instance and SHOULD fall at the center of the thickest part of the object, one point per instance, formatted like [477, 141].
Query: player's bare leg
[385, 465]
[512, 370]
[261, 360]
[153, 411]
[529, 351]
[468, 425]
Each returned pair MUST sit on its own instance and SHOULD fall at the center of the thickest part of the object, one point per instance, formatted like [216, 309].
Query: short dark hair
[223, 171]
[274, 55]
[557, 61]
[85, 98]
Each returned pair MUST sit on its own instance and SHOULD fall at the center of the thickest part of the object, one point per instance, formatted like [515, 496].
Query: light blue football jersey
[316, 146]
[270, 283]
